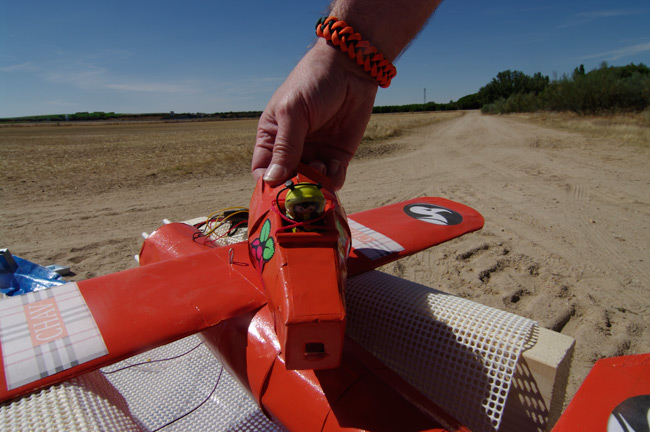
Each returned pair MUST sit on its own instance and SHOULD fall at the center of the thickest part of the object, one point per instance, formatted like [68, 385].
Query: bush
[469, 102]
[607, 89]
[519, 102]
[603, 90]
[508, 83]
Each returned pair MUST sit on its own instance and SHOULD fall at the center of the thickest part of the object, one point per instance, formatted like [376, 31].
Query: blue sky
[210, 56]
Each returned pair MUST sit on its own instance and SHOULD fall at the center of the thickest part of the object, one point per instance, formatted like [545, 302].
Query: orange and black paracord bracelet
[366, 55]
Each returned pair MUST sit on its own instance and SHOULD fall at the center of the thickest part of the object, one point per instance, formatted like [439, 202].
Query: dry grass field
[565, 199]
[99, 157]
[630, 129]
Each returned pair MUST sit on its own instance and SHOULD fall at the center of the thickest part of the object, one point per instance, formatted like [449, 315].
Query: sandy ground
[565, 241]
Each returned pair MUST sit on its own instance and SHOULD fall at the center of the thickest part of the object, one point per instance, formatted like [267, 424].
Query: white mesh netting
[144, 394]
[460, 354]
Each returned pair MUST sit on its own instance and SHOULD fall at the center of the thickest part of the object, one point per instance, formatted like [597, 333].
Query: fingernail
[275, 173]
[318, 166]
[334, 168]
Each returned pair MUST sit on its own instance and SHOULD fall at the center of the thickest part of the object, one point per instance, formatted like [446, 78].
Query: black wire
[214, 389]
[150, 361]
[277, 197]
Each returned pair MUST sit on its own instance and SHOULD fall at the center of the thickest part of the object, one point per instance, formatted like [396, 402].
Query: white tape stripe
[29, 357]
[372, 244]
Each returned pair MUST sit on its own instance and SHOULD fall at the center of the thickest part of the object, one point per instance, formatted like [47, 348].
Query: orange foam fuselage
[303, 271]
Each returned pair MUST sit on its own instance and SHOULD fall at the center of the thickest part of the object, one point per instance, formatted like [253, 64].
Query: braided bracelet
[366, 55]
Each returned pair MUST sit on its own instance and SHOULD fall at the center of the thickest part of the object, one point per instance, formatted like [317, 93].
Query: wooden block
[539, 384]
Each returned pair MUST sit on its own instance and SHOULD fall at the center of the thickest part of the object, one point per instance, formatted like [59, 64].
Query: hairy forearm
[390, 25]
[320, 112]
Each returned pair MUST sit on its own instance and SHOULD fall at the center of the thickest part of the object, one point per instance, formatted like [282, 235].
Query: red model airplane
[270, 308]
[615, 396]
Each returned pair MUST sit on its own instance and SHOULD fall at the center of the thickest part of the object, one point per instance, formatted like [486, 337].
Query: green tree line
[100, 115]
[606, 89]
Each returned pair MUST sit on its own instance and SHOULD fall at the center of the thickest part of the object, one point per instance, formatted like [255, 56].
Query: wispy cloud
[86, 75]
[587, 17]
[251, 85]
[619, 53]
[155, 87]
[22, 67]
[604, 14]
[61, 103]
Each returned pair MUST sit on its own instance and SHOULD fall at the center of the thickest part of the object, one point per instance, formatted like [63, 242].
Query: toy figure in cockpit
[304, 202]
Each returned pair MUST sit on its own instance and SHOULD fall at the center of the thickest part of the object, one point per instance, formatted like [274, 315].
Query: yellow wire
[241, 210]
[218, 212]
[224, 220]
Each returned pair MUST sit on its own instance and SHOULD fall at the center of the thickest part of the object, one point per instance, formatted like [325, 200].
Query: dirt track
[567, 226]
[565, 241]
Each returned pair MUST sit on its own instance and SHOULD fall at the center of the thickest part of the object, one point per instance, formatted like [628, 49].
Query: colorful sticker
[372, 244]
[46, 332]
[263, 245]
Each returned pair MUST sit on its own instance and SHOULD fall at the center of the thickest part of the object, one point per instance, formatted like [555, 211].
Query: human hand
[317, 116]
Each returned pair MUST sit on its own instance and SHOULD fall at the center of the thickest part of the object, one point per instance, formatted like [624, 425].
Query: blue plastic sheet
[25, 277]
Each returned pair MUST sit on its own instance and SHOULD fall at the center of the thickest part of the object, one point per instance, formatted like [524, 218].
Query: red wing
[388, 233]
[52, 335]
[614, 396]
